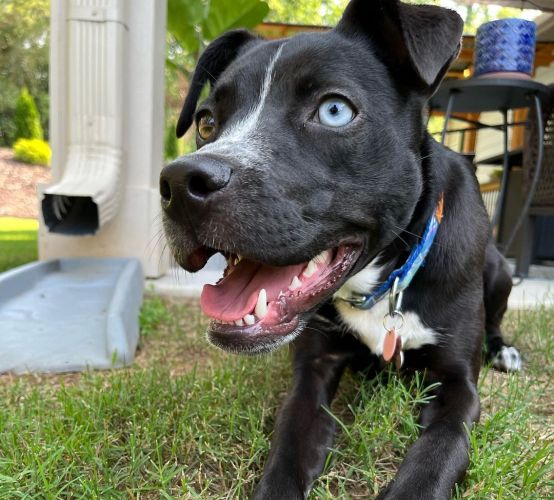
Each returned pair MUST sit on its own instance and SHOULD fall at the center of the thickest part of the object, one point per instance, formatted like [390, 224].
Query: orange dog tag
[390, 344]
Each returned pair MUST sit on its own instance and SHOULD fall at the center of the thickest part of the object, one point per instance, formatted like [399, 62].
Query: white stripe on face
[241, 133]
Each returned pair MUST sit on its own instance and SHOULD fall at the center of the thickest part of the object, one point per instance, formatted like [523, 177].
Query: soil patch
[18, 186]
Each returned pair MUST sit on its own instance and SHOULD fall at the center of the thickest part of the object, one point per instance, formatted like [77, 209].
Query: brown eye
[206, 126]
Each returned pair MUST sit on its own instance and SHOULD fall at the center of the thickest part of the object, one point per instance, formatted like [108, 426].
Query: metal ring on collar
[395, 297]
[395, 316]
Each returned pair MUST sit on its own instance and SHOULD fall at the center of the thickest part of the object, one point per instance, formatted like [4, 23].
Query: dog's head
[308, 158]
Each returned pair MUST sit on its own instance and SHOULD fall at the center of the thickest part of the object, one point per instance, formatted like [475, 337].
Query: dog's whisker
[401, 239]
[203, 68]
[430, 155]
[442, 245]
[155, 240]
[162, 254]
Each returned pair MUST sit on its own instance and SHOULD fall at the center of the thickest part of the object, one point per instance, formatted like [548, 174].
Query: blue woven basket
[506, 45]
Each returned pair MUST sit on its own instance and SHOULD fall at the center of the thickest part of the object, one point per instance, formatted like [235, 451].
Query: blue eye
[335, 112]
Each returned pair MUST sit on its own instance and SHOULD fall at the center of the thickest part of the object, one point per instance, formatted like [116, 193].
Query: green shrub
[27, 119]
[35, 151]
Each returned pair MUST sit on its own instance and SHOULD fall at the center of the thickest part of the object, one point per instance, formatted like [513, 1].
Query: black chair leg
[526, 252]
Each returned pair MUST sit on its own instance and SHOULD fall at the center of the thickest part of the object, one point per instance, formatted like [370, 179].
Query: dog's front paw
[508, 359]
[273, 488]
[392, 492]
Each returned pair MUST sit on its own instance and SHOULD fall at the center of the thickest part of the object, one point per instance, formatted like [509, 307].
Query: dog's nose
[192, 181]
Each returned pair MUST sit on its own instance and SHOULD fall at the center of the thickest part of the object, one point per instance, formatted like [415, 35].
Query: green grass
[18, 242]
[188, 421]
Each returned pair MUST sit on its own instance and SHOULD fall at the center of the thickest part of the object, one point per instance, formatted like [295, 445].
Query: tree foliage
[193, 23]
[314, 12]
[24, 47]
[171, 145]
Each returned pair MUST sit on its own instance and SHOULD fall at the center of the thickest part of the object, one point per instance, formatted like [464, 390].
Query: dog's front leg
[440, 457]
[304, 430]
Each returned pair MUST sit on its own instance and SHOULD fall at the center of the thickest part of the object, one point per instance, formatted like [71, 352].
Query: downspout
[87, 195]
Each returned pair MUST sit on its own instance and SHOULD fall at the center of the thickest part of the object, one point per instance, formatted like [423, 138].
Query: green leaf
[183, 19]
[252, 18]
[194, 22]
[224, 15]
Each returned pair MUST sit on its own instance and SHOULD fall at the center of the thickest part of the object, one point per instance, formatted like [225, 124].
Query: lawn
[188, 421]
[18, 242]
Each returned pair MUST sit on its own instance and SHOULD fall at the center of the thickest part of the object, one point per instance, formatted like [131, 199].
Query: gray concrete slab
[70, 315]
[534, 291]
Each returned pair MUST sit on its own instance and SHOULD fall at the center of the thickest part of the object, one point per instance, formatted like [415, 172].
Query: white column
[106, 130]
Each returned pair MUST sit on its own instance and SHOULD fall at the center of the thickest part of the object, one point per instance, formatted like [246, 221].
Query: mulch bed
[18, 186]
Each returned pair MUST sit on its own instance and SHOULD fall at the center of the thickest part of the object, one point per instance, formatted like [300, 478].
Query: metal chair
[538, 183]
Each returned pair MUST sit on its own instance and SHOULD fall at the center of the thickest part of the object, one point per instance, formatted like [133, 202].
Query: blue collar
[404, 274]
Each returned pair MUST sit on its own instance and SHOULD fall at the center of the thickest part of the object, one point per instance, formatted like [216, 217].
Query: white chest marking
[368, 325]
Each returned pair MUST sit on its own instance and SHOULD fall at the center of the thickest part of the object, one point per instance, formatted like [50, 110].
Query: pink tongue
[236, 295]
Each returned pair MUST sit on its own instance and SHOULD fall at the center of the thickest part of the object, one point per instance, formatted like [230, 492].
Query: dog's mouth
[257, 307]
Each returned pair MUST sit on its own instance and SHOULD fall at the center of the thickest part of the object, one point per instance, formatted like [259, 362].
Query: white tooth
[249, 319]
[295, 283]
[322, 257]
[239, 322]
[239, 258]
[311, 268]
[261, 305]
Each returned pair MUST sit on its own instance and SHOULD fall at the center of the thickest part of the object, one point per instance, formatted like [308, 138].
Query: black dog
[316, 178]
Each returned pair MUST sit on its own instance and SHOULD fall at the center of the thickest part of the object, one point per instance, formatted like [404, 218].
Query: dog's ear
[213, 61]
[417, 39]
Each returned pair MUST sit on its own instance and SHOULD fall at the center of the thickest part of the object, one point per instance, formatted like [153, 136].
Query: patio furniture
[538, 177]
[480, 95]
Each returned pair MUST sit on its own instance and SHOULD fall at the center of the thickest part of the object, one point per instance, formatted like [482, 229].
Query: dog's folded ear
[213, 61]
[417, 39]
